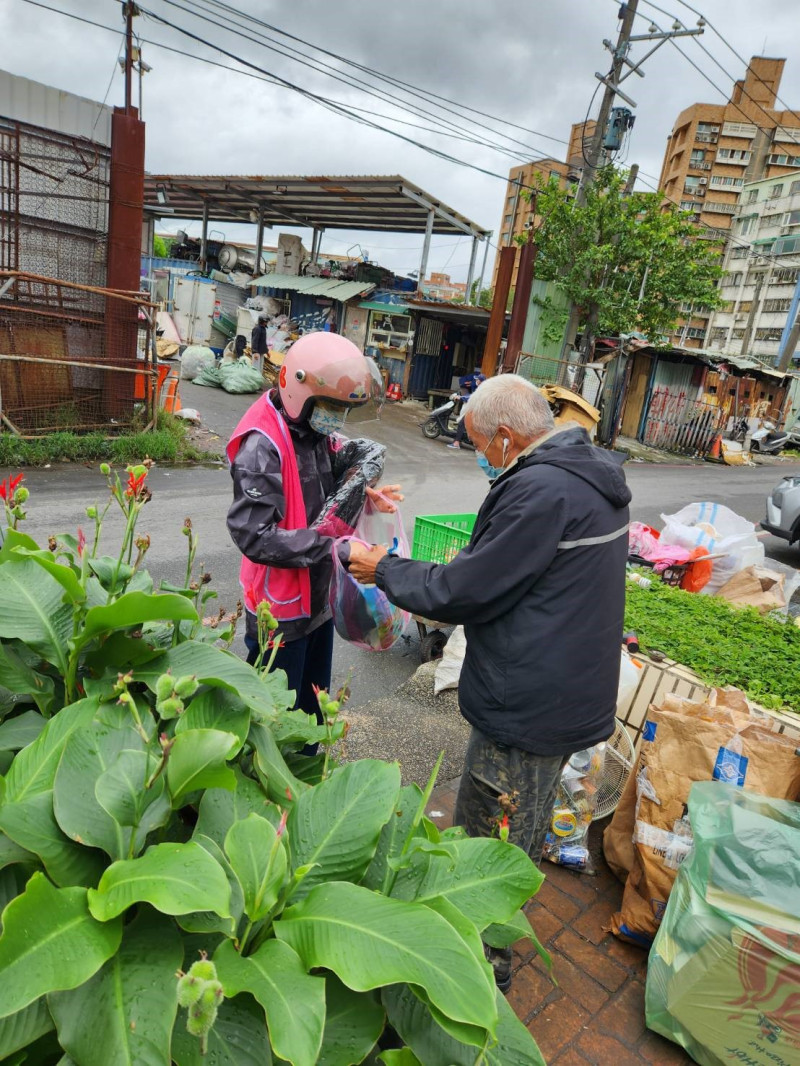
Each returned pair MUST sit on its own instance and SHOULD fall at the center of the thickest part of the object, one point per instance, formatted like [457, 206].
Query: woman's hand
[364, 561]
[385, 497]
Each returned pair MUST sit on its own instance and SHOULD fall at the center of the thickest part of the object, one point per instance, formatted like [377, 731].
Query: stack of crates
[438, 538]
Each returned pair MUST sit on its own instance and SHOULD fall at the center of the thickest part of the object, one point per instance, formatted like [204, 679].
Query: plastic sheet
[721, 531]
[723, 978]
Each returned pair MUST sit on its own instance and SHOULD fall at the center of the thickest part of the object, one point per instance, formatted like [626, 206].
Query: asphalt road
[435, 481]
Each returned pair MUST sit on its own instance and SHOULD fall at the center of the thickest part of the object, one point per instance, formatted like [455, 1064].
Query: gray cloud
[531, 62]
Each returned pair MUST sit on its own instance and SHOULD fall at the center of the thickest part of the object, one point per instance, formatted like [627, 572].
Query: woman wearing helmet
[285, 455]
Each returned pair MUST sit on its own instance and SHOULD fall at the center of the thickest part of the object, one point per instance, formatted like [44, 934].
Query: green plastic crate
[438, 538]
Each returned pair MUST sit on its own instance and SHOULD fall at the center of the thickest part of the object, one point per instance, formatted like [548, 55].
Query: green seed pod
[164, 687]
[170, 708]
[105, 469]
[209, 998]
[189, 990]
[203, 970]
[198, 1026]
[186, 686]
[91, 512]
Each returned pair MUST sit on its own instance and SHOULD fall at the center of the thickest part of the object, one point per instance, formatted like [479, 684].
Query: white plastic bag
[448, 669]
[721, 531]
[195, 359]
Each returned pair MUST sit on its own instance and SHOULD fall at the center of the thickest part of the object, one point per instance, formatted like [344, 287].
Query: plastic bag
[724, 971]
[362, 614]
[566, 843]
[448, 669]
[195, 359]
[721, 531]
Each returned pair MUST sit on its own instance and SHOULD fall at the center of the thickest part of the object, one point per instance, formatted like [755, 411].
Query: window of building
[691, 182]
[688, 205]
[732, 279]
[786, 276]
[507, 219]
[791, 218]
[740, 252]
[505, 236]
[776, 191]
[555, 174]
[719, 334]
[784, 160]
[771, 220]
[786, 246]
[777, 306]
[770, 334]
[697, 156]
[734, 155]
[752, 196]
[794, 187]
[747, 224]
[745, 306]
[737, 334]
[724, 180]
[694, 333]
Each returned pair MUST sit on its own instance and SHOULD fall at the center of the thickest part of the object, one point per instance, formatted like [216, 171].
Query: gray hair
[511, 401]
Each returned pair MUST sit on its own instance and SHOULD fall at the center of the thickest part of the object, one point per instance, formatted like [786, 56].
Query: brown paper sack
[756, 587]
[684, 742]
[618, 835]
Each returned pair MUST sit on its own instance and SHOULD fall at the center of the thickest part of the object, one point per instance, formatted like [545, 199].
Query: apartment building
[517, 217]
[715, 149]
[441, 287]
[762, 267]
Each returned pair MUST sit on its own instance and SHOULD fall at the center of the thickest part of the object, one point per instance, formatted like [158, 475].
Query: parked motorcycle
[443, 421]
[768, 439]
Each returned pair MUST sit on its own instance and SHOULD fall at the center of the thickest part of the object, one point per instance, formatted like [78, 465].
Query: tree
[484, 299]
[626, 261]
[161, 248]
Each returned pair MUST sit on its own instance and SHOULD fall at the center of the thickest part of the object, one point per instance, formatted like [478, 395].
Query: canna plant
[178, 884]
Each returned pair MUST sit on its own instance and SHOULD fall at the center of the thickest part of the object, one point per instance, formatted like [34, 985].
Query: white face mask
[327, 420]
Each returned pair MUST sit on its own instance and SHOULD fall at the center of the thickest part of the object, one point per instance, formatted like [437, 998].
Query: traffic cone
[716, 447]
[172, 403]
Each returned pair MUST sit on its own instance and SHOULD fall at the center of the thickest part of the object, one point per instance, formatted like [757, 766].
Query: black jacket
[540, 591]
[258, 339]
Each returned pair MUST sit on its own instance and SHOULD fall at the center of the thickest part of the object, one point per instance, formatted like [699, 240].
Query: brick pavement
[595, 1017]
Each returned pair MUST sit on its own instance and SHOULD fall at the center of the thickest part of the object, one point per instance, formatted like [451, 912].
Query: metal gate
[677, 423]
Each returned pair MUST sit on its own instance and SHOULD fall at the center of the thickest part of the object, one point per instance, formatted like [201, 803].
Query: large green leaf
[26, 814]
[278, 780]
[13, 539]
[19, 677]
[353, 1023]
[207, 921]
[370, 941]
[122, 793]
[21, 731]
[516, 928]
[221, 807]
[11, 853]
[88, 754]
[13, 880]
[259, 861]
[50, 942]
[23, 1028]
[131, 610]
[221, 669]
[399, 1057]
[486, 878]
[239, 1037]
[124, 1014]
[275, 976]
[198, 760]
[173, 878]
[412, 1019]
[64, 575]
[217, 709]
[34, 610]
[392, 839]
[336, 825]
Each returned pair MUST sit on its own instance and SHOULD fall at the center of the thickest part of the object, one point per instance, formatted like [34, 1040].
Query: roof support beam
[451, 219]
[426, 247]
[483, 267]
[204, 238]
[471, 271]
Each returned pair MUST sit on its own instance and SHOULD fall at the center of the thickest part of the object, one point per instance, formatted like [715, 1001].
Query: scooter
[768, 439]
[443, 421]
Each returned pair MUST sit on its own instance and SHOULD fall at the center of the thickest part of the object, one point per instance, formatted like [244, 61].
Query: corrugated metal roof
[388, 203]
[330, 287]
[23, 100]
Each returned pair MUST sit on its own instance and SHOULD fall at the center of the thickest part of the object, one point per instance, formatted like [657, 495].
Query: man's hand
[364, 561]
[382, 498]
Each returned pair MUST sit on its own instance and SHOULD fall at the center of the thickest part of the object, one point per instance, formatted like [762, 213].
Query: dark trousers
[307, 662]
[492, 771]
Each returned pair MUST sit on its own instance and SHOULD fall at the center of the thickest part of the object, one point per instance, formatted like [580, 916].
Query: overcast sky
[529, 62]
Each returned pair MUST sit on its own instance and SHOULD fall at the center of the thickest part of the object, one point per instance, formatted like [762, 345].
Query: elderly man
[540, 591]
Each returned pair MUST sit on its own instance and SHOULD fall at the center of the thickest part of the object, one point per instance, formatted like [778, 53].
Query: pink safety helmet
[329, 368]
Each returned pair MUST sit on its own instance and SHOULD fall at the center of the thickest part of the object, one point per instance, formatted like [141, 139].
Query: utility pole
[129, 10]
[607, 131]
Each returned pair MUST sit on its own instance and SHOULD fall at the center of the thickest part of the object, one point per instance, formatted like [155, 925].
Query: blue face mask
[327, 420]
[491, 472]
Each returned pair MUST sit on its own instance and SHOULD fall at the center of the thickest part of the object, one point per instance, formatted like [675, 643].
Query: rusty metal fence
[569, 373]
[677, 423]
[74, 357]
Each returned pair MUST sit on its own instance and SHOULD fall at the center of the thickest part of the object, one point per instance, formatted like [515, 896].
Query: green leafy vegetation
[168, 442]
[724, 645]
[180, 884]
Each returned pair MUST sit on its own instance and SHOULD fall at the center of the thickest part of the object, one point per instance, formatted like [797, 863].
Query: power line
[406, 87]
[237, 29]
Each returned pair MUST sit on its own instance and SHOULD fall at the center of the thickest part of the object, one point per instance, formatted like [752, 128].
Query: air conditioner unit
[715, 129]
[702, 181]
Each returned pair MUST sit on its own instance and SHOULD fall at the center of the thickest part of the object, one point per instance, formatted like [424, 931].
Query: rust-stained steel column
[125, 217]
[494, 333]
[519, 310]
